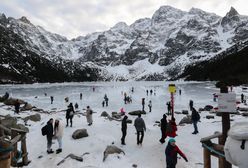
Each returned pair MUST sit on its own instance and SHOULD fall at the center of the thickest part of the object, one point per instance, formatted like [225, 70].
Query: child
[171, 152]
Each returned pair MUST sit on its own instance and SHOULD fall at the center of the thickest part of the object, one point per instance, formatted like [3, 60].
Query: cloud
[72, 18]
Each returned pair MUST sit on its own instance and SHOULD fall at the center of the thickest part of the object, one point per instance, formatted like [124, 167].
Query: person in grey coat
[89, 113]
[140, 128]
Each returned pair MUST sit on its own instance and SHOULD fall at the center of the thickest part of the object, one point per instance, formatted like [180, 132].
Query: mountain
[155, 48]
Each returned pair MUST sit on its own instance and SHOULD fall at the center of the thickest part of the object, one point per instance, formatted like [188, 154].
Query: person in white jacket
[58, 133]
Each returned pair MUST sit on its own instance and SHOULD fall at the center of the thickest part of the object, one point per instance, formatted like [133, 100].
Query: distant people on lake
[143, 104]
[66, 99]
[76, 106]
[180, 92]
[147, 92]
[151, 92]
[106, 99]
[51, 98]
[150, 106]
[242, 98]
[81, 96]
[103, 103]
[122, 111]
[132, 90]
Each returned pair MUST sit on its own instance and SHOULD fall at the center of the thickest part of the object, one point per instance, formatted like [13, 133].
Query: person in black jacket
[69, 114]
[195, 118]
[124, 130]
[163, 127]
[49, 134]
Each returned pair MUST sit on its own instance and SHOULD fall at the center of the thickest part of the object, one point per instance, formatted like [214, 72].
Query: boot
[58, 151]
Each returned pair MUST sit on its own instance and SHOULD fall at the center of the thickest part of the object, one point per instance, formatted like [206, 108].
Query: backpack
[44, 130]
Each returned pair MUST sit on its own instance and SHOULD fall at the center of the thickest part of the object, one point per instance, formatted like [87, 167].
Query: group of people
[53, 131]
[151, 92]
[105, 101]
[140, 127]
[149, 105]
[70, 112]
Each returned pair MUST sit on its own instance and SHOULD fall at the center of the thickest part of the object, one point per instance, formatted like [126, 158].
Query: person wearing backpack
[69, 114]
[48, 131]
[195, 117]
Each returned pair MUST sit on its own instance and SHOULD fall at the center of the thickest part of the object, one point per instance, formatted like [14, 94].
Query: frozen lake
[201, 92]
[104, 132]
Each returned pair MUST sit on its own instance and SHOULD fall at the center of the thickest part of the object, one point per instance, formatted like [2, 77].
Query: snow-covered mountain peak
[119, 25]
[25, 20]
[167, 14]
[232, 12]
[141, 24]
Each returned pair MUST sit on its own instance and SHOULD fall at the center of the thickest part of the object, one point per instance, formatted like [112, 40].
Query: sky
[73, 18]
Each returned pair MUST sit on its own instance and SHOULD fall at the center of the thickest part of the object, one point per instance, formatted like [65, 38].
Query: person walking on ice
[89, 113]
[69, 114]
[49, 135]
[58, 134]
[140, 128]
[195, 117]
[150, 106]
[124, 130]
[171, 152]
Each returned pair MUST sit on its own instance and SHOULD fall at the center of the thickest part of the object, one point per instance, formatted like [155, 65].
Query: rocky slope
[149, 49]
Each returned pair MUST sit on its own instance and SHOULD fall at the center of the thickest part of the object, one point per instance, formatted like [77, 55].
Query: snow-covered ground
[104, 132]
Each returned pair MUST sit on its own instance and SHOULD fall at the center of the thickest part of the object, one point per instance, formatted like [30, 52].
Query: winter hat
[172, 140]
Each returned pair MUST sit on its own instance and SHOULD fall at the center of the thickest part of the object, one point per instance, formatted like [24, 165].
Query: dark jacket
[163, 123]
[171, 154]
[49, 130]
[139, 124]
[194, 116]
[69, 110]
[124, 124]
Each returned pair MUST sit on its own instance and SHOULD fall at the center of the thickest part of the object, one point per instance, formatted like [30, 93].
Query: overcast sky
[73, 18]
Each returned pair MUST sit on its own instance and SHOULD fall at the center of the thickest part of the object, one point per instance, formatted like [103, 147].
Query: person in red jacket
[171, 128]
[171, 152]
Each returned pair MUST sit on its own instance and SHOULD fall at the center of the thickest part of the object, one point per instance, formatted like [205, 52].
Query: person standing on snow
[143, 104]
[51, 97]
[147, 92]
[171, 152]
[150, 106]
[49, 134]
[195, 117]
[124, 129]
[151, 92]
[17, 106]
[171, 128]
[58, 134]
[69, 114]
[81, 96]
[140, 128]
[163, 126]
[89, 113]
